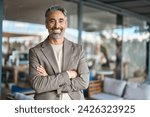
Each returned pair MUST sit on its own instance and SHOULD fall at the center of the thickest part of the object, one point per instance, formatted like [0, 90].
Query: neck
[56, 41]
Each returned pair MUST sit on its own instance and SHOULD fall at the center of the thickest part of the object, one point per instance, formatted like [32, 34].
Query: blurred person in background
[100, 58]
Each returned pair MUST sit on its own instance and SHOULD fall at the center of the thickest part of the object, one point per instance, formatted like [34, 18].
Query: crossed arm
[68, 81]
[42, 72]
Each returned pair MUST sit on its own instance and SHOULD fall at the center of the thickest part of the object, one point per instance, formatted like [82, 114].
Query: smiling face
[56, 23]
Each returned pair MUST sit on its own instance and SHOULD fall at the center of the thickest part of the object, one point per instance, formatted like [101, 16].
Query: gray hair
[56, 8]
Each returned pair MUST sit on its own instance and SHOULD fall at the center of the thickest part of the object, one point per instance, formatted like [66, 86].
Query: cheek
[49, 26]
[64, 26]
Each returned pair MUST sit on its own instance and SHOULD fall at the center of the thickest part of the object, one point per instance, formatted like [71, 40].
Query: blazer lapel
[49, 54]
[68, 50]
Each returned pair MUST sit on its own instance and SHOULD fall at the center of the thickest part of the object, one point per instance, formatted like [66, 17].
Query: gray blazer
[50, 87]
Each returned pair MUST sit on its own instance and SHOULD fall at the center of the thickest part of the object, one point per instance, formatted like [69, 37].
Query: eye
[61, 21]
[51, 21]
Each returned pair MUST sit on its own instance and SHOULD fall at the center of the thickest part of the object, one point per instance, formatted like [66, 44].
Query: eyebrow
[55, 19]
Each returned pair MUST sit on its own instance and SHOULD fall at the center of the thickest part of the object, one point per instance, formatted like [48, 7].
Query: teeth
[57, 31]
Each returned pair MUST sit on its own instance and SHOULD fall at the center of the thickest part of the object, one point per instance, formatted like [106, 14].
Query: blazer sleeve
[48, 83]
[82, 81]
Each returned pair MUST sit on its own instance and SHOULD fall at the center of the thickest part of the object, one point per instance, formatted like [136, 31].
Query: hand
[41, 71]
[73, 73]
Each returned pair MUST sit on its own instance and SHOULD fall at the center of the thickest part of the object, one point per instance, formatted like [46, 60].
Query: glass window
[134, 49]
[97, 36]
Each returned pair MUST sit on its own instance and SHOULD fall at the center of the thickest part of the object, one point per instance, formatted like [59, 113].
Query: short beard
[56, 35]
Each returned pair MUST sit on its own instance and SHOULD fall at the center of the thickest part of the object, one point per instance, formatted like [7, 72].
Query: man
[57, 67]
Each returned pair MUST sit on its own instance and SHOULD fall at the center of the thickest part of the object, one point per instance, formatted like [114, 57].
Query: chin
[56, 36]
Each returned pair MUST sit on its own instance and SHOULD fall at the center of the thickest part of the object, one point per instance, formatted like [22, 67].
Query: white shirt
[58, 51]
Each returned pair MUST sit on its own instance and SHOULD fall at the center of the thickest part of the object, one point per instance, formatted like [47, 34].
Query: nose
[56, 24]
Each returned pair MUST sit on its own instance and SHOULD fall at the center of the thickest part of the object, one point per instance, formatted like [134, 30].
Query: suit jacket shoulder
[75, 45]
[38, 46]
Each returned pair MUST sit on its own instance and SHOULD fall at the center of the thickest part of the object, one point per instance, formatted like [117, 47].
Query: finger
[41, 74]
[41, 66]
[41, 69]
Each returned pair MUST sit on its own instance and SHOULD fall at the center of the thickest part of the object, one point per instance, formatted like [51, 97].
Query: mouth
[56, 31]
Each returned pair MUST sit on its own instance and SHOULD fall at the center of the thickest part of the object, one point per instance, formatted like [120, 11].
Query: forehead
[56, 14]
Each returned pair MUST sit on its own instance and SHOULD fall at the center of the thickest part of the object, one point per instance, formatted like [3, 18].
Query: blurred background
[115, 35]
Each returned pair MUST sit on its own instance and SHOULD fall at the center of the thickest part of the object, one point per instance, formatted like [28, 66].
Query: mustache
[57, 30]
